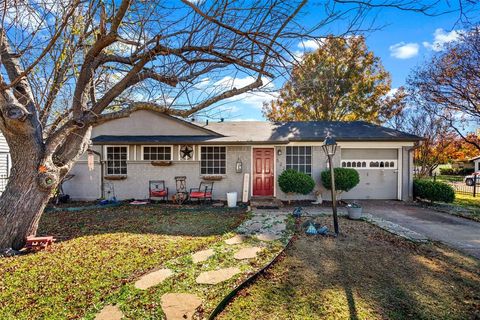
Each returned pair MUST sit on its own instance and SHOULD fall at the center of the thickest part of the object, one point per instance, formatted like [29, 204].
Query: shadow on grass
[364, 274]
[147, 219]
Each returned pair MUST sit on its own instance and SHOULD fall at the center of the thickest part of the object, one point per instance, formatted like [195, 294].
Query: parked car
[469, 180]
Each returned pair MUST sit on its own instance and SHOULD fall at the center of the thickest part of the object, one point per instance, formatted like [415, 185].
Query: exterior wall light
[238, 166]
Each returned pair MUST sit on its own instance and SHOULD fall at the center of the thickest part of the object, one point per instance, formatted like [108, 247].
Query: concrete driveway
[456, 232]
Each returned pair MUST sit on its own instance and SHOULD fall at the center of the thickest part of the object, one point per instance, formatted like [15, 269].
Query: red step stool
[38, 243]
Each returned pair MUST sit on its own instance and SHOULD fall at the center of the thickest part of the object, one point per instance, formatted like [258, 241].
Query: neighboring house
[476, 163]
[465, 164]
[5, 163]
[130, 146]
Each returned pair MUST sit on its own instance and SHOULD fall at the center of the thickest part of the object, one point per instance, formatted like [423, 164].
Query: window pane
[213, 160]
[116, 160]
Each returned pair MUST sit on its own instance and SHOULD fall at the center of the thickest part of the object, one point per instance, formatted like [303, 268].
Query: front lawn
[449, 178]
[470, 204]
[99, 252]
[366, 274]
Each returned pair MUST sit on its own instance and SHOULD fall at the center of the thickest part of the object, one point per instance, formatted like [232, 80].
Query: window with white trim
[213, 160]
[157, 153]
[299, 158]
[116, 160]
[370, 164]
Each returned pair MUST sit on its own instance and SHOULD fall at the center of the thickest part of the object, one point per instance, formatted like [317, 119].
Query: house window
[300, 159]
[369, 164]
[157, 153]
[213, 160]
[116, 160]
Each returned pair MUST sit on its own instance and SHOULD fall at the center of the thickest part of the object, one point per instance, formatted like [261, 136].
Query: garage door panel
[375, 184]
[379, 175]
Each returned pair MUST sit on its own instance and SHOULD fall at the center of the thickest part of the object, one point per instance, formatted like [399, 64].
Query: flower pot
[354, 213]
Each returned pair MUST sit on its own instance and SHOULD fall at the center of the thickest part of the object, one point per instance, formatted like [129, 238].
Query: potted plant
[354, 211]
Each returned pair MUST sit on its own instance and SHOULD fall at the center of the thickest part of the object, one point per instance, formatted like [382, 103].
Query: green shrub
[345, 179]
[433, 190]
[456, 172]
[291, 181]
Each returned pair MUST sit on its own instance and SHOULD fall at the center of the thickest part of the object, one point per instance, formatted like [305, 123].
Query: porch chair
[157, 190]
[203, 192]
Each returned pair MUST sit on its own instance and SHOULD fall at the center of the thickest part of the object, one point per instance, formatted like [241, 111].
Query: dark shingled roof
[309, 131]
[261, 132]
[150, 139]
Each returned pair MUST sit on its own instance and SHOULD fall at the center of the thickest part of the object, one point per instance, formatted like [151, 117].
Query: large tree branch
[48, 47]
[135, 106]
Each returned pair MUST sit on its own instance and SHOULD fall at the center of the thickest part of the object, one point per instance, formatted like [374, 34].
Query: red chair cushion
[158, 193]
[198, 194]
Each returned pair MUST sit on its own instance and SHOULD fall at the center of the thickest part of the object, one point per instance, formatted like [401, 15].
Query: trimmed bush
[345, 179]
[456, 172]
[291, 181]
[433, 190]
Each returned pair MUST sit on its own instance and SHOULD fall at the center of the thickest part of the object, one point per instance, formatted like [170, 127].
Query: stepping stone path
[265, 225]
[247, 253]
[202, 255]
[235, 240]
[267, 236]
[110, 313]
[217, 276]
[152, 279]
[179, 306]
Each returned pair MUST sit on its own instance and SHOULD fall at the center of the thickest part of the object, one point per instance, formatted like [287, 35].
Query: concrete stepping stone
[202, 255]
[109, 312]
[247, 253]
[267, 236]
[279, 227]
[237, 239]
[217, 276]
[152, 279]
[179, 306]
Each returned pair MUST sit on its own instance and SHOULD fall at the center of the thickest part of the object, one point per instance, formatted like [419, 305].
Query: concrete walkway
[459, 233]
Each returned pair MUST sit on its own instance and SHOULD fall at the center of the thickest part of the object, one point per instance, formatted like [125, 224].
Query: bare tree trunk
[21, 206]
[24, 198]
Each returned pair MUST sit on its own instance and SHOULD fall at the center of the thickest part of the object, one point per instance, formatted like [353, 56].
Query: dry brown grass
[364, 274]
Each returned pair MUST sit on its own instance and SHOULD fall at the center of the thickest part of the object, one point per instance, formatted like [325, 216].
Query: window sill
[212, 178]
[161, 163]
[115, 177]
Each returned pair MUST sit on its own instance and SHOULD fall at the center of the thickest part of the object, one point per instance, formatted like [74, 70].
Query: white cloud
[392, 92]
[404, 50]
[202, 83]
[440, 38]
[310, 44]
[253, 99]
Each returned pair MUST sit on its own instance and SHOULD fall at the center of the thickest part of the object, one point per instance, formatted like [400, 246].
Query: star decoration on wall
[186, 152]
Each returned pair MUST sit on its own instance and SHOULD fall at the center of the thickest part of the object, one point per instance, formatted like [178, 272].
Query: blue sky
[406, 40]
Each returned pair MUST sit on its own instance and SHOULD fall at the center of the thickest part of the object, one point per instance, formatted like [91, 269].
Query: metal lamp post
[329, 147]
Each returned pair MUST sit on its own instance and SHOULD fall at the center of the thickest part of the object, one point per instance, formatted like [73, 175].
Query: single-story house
[5, 162]
[476, 163]
[241, 156]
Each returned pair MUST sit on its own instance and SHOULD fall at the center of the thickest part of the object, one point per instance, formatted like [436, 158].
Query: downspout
[101, 170]
[410, 172]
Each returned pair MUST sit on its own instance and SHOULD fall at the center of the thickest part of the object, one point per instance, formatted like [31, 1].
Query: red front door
[263, 178]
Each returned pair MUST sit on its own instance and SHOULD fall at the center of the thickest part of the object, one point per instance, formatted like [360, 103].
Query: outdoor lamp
[238, 166]
[329, 147]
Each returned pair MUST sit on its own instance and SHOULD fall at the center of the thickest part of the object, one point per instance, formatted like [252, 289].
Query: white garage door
[378, 170]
